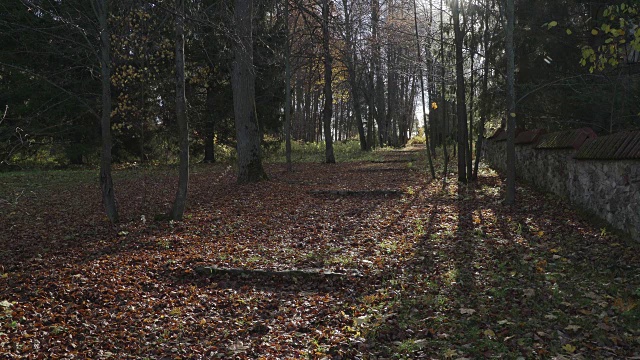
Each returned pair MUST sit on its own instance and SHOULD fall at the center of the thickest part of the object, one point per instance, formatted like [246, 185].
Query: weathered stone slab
[375, 192]
[217, 271]
[392, 161]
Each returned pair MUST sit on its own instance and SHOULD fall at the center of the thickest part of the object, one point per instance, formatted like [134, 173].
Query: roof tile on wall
[620, 146]
[530, 136]
[571, 139]
[501, 134]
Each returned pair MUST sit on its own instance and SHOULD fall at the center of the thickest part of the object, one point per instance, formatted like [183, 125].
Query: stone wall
[609, 189]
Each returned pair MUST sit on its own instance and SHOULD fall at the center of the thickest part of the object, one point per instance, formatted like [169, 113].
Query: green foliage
[418, 139]
[615, 37]
[344, 151]
[615, 28]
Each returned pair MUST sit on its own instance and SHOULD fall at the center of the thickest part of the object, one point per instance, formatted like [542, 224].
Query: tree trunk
[460, 96]
[328, 92]
[351, 64]
[377, 64]
[391, 101]
[469, 146]
[445, 127]
[485, 86]
[287, 79]
[209, 151]
[424, 110]
[244, 105]
[299, 118]
[106, 181]
[181, 117]
[371, 113]
[309, 104]
[510, 198]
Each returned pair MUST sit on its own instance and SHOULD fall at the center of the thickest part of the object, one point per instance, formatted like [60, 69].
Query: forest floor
[407, 270]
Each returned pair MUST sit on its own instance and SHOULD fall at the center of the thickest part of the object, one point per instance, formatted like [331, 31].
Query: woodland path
[419, 272]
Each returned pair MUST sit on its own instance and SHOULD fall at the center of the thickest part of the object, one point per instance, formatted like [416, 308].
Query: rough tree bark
[244, 106]
[179, 203]
[106, 181]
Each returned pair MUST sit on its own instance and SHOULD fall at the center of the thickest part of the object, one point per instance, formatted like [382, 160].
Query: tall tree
[484, 106]
[101, 9]
[472, 92]
[443, 90]
[510, 198]
[181, 117]
[377, 69]
[328, 92]
[461, 102]
[424, 110]
[250, 167]
[351, 62]
[287, 78]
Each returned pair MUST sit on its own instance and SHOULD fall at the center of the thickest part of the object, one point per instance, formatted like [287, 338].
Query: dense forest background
[332, 70]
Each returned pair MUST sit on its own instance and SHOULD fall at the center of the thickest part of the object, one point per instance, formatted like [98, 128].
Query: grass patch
[301, 152]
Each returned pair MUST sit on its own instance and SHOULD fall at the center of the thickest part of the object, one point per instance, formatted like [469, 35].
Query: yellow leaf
[489, 333]
[203, 321]
[449, 353]
[552, 24]
[569, 32]
[594, 32]
[540, 233]
[569, 348]
[512, 115]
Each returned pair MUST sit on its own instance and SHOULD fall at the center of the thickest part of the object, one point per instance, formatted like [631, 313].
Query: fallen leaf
[449, 353]
[467, 311]
[361, 320]
[572, 327]
[421, 343]
[569, 348]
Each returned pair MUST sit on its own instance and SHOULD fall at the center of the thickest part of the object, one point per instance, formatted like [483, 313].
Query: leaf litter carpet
[397, 269]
